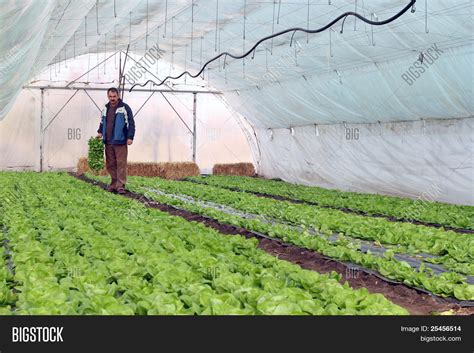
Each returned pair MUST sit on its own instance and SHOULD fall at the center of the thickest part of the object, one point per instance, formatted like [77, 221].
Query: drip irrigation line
[273, 27]
[166, 18]
[146, 36]
[365, 245]
[278, 15]
[274, 35]
[464, 303]
[97, 16]
[192, 28]
[343, 209]
[217, 23]
[105, 49]
[130, 28]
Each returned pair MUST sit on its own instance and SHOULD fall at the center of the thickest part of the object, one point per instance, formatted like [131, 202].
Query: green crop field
[70, 247]
[454, 252]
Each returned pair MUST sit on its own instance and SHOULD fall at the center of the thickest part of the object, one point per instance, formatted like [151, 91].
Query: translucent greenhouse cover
[385, 109]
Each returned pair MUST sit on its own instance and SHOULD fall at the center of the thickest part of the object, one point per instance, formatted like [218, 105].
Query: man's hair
[113, 89]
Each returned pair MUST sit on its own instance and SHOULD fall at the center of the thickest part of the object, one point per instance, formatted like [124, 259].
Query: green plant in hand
[96, 154]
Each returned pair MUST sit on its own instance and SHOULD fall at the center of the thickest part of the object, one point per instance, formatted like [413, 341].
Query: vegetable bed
[70, 248]
[456, 216]
[453, 250]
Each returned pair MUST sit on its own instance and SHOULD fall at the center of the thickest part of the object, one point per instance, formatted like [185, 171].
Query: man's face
[113, 97]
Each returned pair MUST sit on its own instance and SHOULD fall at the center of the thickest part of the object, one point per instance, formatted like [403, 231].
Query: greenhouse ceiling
[364, 74]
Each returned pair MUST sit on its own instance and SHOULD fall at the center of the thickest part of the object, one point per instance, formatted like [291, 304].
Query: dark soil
[416, 302]
[343, 209]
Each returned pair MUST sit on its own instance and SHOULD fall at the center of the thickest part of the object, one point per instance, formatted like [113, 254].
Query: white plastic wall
[160, 134]
[431, 160]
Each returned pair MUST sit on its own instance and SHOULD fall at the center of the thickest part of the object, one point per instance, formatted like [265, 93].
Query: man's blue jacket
[124, 126]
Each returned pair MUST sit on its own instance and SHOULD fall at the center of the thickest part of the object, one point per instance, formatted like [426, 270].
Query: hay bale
[242, 169]
[83, 167]
[180, 170]
[166, 170]
[144, 169]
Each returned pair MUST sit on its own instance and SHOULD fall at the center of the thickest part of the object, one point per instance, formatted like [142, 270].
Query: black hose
[294, 29]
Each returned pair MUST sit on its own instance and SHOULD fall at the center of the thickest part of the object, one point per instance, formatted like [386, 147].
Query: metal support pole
[60, 110]
[179, 116]
[135, 90]
[93, 101]
[41, 142]
[122, 81]
[138, 111]
[194, 127]
[85, 73]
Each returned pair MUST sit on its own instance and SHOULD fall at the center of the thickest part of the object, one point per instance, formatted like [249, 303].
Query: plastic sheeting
[430, 160]
[364, 96]
[344, 74]
[70, 118]
[36, 34]
[333, 78]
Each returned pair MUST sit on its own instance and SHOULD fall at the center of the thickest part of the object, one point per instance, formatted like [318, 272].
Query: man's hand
[129, 142]
[99, 135]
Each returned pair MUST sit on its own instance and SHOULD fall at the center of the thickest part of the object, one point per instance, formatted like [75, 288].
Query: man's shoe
[111, 189]
[121, 191]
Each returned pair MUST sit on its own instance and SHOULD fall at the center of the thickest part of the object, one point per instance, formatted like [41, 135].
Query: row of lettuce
[71, 248]
[421, 209]
[453, 251]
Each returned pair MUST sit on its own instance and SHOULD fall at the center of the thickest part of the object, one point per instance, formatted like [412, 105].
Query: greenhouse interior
[247, 157]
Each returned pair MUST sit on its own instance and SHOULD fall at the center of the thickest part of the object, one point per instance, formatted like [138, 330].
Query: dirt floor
[346, 210]
[416, 302]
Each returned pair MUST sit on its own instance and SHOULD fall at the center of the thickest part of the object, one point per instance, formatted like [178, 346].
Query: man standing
[117, 129]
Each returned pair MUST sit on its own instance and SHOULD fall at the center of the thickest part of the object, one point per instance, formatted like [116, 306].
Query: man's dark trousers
[116, 163]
